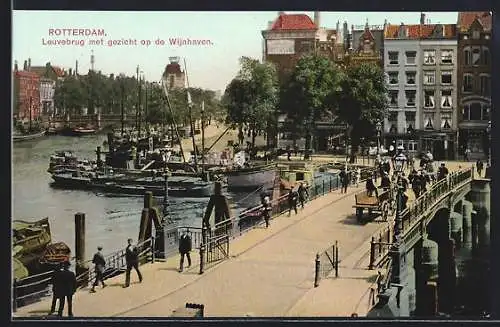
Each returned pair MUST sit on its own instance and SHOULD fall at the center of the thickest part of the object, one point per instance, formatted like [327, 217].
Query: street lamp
[488, 130]
[379, 129]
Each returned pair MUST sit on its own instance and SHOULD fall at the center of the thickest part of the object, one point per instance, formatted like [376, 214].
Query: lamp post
[379, 129]
[488, 130]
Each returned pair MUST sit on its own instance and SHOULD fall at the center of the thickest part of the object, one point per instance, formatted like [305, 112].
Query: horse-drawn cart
[381, 203]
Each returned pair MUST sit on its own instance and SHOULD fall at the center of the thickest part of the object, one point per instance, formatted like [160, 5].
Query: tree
[363, 101]
[311, 94]
[251, 97]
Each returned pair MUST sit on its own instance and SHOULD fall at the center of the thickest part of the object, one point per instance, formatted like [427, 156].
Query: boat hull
[19, 138]
[251, 179]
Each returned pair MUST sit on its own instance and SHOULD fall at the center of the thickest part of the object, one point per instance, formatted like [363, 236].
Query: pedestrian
[185, 246]
[343, 181]
[99, 267]
[374, 176]
[371, 188]
[132, 259]
[266, 208]
[479, 166]
[415, 183]
[303, 194]
[424, 180]
[466, 154]
[404, 181]
[442, 172]
[66, 287]
[55, 288]
[385, 182]
[358, 176]
[292, 201]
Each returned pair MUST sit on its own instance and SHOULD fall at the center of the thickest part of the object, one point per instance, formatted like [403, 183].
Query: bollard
[202, 261]
[336, 259]
[80, 247]
[324, 187]
[316, 271]
[153, 249]
[14, 295]
[148, 200]
[330, 180]
[372, 253]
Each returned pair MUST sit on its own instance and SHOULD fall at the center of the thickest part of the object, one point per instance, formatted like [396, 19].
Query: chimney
[76, 68]
[70, 71]
[15, 66]
[25, 66]
[338, 27]
[422, 18]
[29, 64]
[316, 19]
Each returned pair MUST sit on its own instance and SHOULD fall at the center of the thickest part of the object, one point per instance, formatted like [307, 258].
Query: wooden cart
[375, 204]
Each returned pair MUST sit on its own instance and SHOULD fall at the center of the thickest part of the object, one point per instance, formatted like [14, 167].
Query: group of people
[296, 195]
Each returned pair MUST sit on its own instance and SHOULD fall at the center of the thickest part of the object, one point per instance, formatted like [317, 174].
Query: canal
[110, 220]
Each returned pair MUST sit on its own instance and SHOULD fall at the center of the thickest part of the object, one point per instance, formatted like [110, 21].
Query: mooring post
[14, 295]
[372, 253]
[81, 266]
[202, 254]
[153, 249]
[316, 271]
[336, 259]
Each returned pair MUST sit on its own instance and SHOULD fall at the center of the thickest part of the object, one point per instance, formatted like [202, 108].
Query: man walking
[99, 267]
[303, 194]
[185, 246]
[55, 287]
[66, 287]
[292, 201]
[343, 181]
[479, 167]
[132, 259]
[442, 172]
[266, 208]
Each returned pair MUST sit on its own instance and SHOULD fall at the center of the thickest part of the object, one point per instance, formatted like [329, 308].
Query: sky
[212, 65]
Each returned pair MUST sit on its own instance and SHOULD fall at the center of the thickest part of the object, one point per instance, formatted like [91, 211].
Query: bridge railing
[326, 262]
[379, 247]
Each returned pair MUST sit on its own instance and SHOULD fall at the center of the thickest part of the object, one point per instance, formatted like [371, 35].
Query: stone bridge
[440, 234]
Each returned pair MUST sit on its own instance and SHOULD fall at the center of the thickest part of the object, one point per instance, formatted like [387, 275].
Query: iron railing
[326, 262]
[415, 212]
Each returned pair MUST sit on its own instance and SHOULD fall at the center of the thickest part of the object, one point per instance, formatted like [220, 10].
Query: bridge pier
[411, 282]
[480, 196]
[456, 224]
[426, 264]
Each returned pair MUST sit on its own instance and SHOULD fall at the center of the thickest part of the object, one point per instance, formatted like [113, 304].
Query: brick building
[26, 94]
[173, 75]
[474, 82]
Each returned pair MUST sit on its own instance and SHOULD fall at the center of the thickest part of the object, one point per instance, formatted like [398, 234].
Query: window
[446, 120]
[393, 77]
[410, 78]
[446, 78]
[410, 98]
[410, 57]
[468, 56]
[393, 97]
[476, 56]
[475, 111]
[393, 57]
[429, 78]
[485, 85]
[446, 56]
[393, 122]
[468, 83]
[476, 35]
[410, 121]
[486, 55]
[428, 121]
[430, 57]
[446, 99]
[486, 112]
[429, 98]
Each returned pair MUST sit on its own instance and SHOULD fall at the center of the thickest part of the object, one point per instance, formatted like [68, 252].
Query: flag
[189, 98]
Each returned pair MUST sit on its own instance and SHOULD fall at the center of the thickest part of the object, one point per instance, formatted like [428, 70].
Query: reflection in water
[110, 220]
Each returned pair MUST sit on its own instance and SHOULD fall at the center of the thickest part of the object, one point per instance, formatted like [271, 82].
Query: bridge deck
[270, 273]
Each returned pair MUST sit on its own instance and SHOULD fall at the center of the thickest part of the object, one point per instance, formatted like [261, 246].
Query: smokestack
[25, 66]
[422, 18]
[76, 68]
[15, 66]
[338, 27]
[29, 64]
[317, 19]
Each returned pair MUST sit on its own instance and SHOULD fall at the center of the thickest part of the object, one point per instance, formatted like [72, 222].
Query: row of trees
[109, 93]
[317, 90]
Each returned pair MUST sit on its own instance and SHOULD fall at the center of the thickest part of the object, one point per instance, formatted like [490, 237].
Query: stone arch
[438, 225]
[458, 206]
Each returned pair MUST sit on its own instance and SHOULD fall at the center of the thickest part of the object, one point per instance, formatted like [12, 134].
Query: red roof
[465, 19]
[23, 73]
[173, 68]
[59, 71]
[293, 22]
[419, 31]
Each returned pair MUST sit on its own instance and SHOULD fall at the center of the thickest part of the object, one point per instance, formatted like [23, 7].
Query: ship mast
[190, 114]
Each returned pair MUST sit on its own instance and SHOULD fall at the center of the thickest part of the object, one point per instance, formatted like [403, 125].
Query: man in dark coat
[266, 208]
[55, 288]
[66, 287]
[132, 259]
[385, 181]
[343, 181]
[292, 201]
[218, 203]
[442, 172]
[479, 167]
[99, 267]
[185, 246]
[303, 194]
[416, 184]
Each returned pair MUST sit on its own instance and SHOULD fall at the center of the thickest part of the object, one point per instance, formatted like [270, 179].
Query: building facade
[173, 75]
[421, 65]
[47, 90]
[474, 82]
[26, 95]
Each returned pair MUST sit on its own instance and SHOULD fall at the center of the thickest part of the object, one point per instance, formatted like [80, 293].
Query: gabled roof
[23, 73]
[419, 31]
[293, 22]
[465, 20]
[40, 70]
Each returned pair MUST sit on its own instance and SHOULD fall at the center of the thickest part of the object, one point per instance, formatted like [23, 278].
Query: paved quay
[270, 272]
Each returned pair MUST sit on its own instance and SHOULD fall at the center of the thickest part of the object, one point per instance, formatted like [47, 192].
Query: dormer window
[476, 35]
